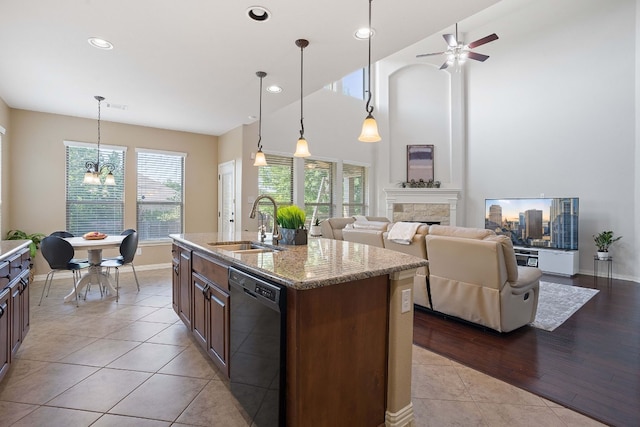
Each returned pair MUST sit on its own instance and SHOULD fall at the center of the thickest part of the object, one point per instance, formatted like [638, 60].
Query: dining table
[95, 274]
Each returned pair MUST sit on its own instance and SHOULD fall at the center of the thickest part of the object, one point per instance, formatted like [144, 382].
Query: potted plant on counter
[603, 240]
[291, 221]
[315, 228]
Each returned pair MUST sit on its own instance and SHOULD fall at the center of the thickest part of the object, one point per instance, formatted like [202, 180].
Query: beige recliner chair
[473, 275]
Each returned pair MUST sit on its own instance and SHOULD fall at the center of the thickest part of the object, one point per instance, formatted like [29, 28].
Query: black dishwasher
[257, 347]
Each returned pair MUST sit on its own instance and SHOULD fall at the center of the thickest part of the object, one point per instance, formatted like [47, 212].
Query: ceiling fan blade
[483, 40]
[477, 56]
[429, 54]
[445, 65]
[450, 39]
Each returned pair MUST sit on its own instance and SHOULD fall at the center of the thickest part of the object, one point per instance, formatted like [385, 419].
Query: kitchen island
[348, 333]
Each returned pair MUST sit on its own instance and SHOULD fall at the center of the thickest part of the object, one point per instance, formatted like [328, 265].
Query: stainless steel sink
[244, 247]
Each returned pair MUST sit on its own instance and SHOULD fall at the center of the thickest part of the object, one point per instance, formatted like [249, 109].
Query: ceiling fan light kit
[457, 53]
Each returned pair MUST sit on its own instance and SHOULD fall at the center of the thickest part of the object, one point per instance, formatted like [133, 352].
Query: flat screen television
[537, 222]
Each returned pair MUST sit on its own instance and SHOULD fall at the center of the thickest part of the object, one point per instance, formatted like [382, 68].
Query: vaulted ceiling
[190, 65]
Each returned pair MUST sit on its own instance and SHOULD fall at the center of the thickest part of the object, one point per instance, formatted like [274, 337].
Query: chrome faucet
[276, 233]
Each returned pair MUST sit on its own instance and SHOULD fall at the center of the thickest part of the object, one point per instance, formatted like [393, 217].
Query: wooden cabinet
[14, 305]
[182, 300]
[211, 308]
[5, 332]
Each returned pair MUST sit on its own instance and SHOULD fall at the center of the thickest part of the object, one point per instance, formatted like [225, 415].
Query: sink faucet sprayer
[276, 234]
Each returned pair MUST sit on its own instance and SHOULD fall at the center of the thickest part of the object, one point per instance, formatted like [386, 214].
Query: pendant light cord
[260, 116]
[301, 80]
[99, 99]
[369, 108]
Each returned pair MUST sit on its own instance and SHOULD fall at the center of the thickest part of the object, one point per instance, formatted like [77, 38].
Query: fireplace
[431, 205]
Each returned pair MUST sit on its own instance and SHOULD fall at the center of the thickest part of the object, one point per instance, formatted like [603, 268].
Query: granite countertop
[9, 247]
[321, 262]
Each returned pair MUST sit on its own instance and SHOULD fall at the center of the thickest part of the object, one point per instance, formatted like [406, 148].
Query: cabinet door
[175, 284]
[185, 287]
[15, 313]
[200, 310]
[218, 347]
[24, 303]
[5, 341]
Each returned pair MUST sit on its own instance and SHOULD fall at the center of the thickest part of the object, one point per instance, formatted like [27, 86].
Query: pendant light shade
[260, 159]
[369, 130]
[369, 127]
[302, 147]
[94, 169]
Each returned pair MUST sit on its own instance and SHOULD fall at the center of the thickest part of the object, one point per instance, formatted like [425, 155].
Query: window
[318, 190]
[353, 190]
[94, 207]
[160, 194]
[276, 180]
[353, 84]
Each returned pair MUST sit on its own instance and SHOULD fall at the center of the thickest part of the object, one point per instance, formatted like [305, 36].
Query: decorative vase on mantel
[293, 236]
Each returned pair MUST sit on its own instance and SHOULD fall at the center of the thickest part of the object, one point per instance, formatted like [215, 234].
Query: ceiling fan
[457, 52]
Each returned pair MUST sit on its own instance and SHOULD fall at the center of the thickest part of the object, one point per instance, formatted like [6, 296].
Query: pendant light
[94, 169]
[260, 158]
[302, 148]
[369, 127]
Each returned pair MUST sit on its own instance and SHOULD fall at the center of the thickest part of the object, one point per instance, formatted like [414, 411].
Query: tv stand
[553, 261]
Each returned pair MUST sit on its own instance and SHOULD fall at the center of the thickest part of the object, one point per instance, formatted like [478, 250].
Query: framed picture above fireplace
[419, 163]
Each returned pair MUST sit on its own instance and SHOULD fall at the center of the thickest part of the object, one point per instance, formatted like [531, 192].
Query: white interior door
[226, 199]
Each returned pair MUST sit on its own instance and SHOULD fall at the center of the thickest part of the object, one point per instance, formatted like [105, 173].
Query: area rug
[556, 303]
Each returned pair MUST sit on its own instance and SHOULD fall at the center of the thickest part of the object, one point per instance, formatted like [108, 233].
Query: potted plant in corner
[291, 222]
[603, 240]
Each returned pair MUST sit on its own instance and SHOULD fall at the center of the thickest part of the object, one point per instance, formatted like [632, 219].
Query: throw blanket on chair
[403, 232]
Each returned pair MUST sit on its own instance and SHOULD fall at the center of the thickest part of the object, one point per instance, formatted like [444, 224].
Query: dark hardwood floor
[590, 364]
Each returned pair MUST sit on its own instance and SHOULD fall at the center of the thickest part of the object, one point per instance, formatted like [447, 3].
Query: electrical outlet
[406, 300]
[139, 251]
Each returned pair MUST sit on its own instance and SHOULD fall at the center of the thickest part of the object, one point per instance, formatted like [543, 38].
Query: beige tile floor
[133, 363]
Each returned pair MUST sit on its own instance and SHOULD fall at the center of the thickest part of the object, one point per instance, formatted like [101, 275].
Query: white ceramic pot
[603, 256]
[315, 231]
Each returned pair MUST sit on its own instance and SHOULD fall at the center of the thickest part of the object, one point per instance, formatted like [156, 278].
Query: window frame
[94, 223]
[140, 204]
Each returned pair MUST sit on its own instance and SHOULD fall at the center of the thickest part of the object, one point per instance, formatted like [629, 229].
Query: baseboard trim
[402, 418]
[67, 274]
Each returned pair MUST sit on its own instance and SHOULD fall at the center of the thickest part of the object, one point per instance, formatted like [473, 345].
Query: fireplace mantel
[442, 196]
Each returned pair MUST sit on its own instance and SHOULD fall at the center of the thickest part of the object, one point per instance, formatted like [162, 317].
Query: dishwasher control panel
[255, 286]
[267, 292]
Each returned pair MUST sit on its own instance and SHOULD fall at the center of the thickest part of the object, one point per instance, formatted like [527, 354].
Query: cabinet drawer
[215, 271]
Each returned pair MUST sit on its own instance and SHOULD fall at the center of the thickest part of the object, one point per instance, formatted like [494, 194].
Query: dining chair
[127, 232]
[59, 255]
[128, 249]
[62, 234]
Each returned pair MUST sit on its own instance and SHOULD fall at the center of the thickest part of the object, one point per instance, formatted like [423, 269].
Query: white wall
[551, 112]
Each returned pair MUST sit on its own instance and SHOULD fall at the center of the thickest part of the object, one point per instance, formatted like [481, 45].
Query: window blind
[275, 180]
[318, 190]
[160, 194]
[93, 207]
[353, 190]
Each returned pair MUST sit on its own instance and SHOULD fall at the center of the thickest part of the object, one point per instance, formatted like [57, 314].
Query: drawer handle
[25, 283]
[205, 292]
[1, 311]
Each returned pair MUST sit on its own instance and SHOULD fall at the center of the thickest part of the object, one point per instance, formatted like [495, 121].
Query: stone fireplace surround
[422, 204]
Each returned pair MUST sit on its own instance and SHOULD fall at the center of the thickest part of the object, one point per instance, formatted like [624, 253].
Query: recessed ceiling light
[99, 43]
[364, 33]
[274, 89]
[258, 13]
